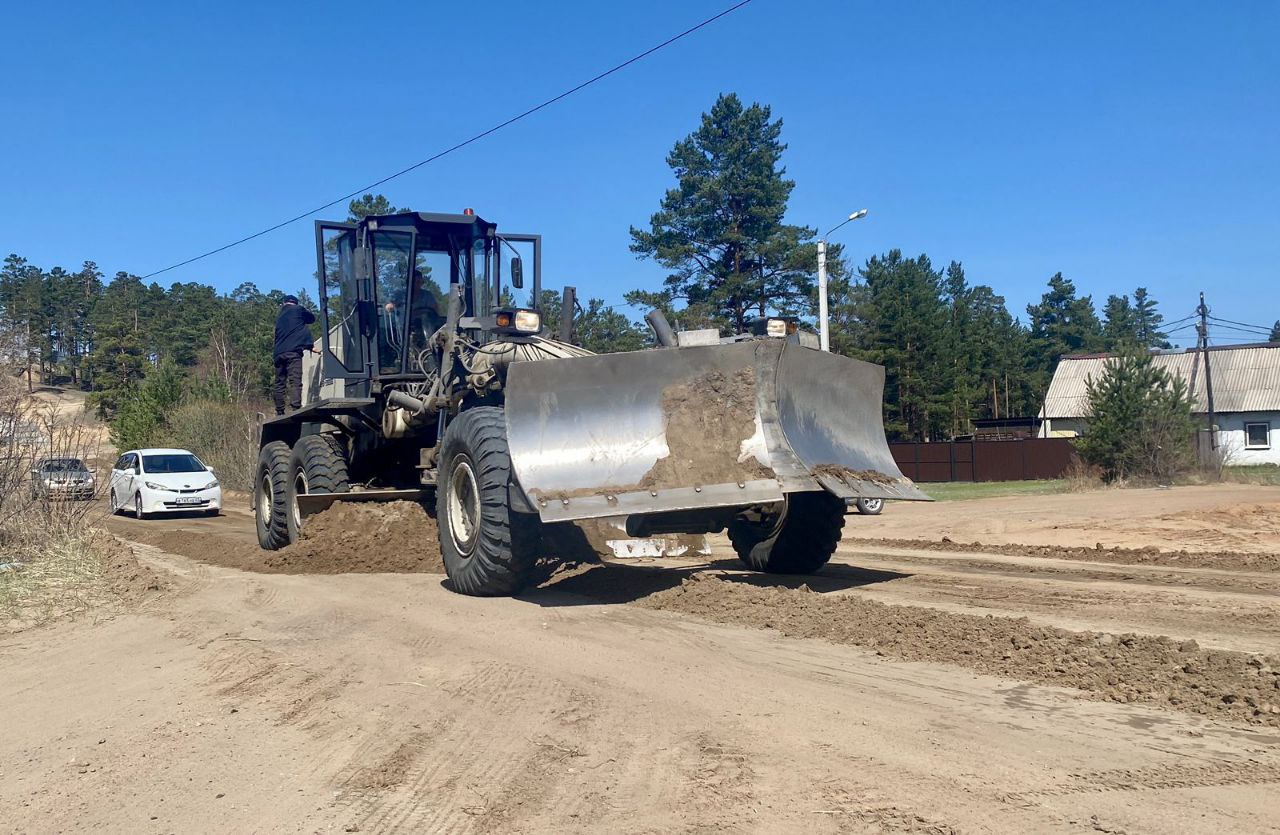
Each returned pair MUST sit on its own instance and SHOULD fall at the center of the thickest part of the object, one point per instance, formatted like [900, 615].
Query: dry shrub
[49, 562]
[1082, 477]
[224, 434]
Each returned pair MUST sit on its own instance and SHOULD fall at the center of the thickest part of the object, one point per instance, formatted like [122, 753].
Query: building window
[1257, 436]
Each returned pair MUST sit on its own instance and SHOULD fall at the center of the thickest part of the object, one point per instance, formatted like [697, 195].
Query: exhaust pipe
[661, 328]
[568, 307]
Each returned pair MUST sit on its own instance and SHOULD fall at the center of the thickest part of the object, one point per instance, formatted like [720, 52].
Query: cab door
[345, 311]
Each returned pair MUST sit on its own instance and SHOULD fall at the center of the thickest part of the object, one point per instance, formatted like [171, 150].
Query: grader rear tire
[271, 496]
[801, 541]
[318, 465]
[488, 549]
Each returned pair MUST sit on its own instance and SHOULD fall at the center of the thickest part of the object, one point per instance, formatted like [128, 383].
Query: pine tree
[720, 230]
[370, 204]
[1275, 332]
[904, 321]
[1147, 321]
[1119, 324]
[1062, 323]
[1140, 422]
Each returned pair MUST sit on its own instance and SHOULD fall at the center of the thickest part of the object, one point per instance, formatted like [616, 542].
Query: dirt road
[370, 702]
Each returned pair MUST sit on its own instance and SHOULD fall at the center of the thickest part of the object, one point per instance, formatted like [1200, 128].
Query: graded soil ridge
[1115, 668]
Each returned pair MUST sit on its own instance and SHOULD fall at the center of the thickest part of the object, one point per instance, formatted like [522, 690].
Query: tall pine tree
[720, 230]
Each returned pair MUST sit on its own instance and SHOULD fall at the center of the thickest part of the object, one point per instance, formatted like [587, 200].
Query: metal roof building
[1246, 393]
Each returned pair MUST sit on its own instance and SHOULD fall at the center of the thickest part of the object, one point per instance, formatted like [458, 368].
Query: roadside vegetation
[953, 491]
[1140, 423]
[52, 562]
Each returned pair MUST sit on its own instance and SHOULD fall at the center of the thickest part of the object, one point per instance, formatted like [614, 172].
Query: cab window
[392, 252]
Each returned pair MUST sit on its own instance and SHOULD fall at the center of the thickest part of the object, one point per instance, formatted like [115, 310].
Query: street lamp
[824, 331]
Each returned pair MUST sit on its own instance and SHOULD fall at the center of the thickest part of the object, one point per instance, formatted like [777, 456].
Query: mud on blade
[699, 427]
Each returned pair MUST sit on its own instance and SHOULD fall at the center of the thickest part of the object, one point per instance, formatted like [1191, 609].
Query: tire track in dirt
[1155, 778]
[450, 778]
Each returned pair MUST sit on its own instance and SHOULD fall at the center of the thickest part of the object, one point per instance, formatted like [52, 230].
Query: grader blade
[683, 429]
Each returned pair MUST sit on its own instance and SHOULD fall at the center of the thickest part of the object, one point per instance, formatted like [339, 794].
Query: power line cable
[364, 189]
[1241, 324]
[1250, 331]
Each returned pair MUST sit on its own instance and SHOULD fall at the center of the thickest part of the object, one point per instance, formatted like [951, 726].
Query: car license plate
[189, 500]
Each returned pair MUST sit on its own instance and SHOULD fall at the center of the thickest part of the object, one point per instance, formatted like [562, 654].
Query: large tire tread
[273, 461]
[509, 542]
[322, 459]
[804, 543]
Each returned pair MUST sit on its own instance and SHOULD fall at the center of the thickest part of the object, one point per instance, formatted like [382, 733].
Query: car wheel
[137, 506]
[112, 504]
[870, 507]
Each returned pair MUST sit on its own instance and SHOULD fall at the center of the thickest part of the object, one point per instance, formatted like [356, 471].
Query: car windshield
[63, 465]
[173, 462]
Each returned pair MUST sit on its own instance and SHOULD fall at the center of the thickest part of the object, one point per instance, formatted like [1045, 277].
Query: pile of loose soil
[349, 537]
[126, 579]
[1122, 556]
[707, 419]
[1116, 668]
[362, 538]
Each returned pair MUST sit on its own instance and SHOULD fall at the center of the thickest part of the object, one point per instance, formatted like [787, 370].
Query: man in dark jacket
[292, 338]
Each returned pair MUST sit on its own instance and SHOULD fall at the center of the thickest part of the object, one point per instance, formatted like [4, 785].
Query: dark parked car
[62, 478]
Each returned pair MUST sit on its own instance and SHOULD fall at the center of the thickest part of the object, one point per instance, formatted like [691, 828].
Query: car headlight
[210, 485]
[153, 486]
[776, 328]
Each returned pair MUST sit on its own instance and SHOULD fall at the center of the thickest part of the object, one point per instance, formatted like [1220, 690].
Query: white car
[147, 481]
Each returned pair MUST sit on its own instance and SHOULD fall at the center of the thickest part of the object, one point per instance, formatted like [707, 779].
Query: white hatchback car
[147, 481]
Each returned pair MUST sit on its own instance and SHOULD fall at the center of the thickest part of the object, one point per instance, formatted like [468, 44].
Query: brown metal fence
[1014, 460]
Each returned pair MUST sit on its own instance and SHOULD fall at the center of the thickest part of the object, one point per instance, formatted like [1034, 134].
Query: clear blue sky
[1123, 144]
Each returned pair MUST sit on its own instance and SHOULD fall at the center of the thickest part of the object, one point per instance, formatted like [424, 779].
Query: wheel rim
[264, 498]
[111, 501]
[873, 504]
[299, 489]
[137, 505]
[464, 506]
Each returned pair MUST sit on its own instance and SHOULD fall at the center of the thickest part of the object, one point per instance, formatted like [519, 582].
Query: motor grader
[470, 403]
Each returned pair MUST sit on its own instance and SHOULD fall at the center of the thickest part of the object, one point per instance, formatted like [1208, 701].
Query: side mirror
[517, 272]
[363, 262]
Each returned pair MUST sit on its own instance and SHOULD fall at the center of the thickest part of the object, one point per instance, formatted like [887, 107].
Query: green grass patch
[959, 490]
[1268, 474]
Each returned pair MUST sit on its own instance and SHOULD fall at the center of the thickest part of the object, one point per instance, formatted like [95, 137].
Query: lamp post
[824, 331]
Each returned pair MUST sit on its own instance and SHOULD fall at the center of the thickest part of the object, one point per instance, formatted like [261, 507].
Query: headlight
[776, 327]
[528, 321]
[153, 486]
[210, 485]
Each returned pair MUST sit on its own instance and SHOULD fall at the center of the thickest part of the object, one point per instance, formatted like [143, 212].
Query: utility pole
[824, 333]
[824, 329]
[1208, 376]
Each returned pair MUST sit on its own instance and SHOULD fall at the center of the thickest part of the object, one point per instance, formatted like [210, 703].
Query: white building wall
[1231, 437]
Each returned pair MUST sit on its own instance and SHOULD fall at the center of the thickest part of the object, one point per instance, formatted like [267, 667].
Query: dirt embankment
[349, 537]
[1121, 556]
[1114, 668]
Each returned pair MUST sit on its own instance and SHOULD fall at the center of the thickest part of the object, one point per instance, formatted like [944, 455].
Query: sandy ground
[1199, 518]
[634, 698]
